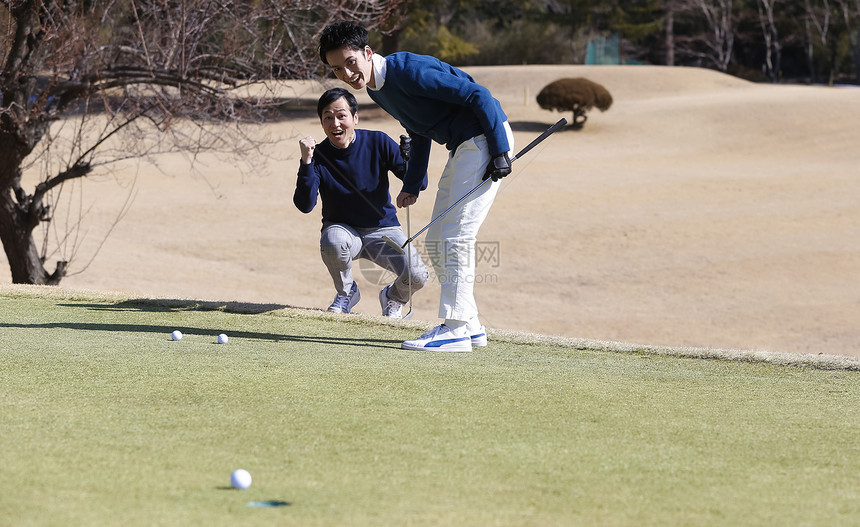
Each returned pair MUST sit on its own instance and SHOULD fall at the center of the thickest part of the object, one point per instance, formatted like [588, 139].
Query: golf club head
[393, 244]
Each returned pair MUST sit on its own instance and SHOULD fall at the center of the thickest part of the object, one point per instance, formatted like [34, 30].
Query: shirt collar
[379, 68]
[352, 142]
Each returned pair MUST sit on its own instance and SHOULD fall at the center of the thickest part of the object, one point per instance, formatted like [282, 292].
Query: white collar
[379, 68]
[354, 137]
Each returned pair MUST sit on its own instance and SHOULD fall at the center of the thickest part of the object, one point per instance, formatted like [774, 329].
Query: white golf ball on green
[240, 479]
[222, 339]
[176, 335]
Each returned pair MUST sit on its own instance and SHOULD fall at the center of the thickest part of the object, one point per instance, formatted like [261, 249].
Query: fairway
[107, 421]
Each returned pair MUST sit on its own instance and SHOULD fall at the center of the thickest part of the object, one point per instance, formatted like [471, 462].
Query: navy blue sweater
[353, 182]
[436, 101]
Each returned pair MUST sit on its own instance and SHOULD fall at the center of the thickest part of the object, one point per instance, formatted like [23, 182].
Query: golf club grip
[549, 131]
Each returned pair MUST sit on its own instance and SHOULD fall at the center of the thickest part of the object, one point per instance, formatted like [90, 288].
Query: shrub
[577, 95]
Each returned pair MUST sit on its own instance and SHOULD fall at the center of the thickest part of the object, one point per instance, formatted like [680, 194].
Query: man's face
[352, 66]
[338, 122]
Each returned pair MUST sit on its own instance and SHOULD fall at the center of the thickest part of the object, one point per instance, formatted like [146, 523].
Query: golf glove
[405, 147]
[499, 167]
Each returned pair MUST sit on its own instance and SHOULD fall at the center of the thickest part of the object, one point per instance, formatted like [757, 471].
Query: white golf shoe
[442, 338]
[478, 337]
[344, 303]
[390, 308]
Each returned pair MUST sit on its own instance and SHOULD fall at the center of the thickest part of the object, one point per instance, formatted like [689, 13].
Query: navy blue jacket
[436, 101]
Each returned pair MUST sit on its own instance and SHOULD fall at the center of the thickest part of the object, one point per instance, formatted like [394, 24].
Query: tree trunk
[771, 38]
[390, 42]
[810, 51]
[670, 37]
[20, 247]
[855, 54]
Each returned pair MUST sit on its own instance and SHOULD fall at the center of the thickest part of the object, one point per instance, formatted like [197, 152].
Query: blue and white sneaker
[442, 338]
[390, 308]
[344, 303]
[479, 337]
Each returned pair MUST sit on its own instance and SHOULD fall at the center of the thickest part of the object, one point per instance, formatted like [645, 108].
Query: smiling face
[352, 66]
[338, 123]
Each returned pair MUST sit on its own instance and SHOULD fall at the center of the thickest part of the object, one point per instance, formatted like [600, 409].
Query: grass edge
[819, 361]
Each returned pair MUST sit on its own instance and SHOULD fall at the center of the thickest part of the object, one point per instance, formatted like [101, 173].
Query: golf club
[406, 152]
[549, 131]
[408, 265]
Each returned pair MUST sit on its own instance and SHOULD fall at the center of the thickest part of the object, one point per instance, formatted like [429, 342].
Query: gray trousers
[340, 244]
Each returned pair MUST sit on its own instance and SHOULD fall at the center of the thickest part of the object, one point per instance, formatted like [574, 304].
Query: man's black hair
[334, 94]
[340, 34]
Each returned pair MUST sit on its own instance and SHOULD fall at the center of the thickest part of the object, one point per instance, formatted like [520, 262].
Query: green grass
[106, 421]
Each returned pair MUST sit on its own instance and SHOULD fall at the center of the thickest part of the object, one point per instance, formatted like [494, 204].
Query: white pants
[451, 240]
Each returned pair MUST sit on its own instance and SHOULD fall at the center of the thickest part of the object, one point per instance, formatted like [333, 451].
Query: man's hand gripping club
[499, 167]
[404, 199]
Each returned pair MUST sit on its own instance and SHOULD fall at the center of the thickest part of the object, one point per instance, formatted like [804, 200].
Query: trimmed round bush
[577, 95]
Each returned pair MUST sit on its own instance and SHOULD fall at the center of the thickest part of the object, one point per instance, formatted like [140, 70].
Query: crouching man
[349, 171]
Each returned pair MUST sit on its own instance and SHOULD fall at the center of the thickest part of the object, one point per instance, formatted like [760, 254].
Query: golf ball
[240, 479]
[176, 335]
[222, 339]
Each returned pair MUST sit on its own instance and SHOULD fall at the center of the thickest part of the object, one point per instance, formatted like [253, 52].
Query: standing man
[349, 170]
[436, 102]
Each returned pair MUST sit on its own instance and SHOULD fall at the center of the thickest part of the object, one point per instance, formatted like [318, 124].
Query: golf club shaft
[409, 264]
[549, 131]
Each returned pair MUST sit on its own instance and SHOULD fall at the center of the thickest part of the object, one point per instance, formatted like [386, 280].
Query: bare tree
[832, 37]
[772, 44]
[850, 19]
[817, 22]
[670, 33]
[139, 77]
[716, 43]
